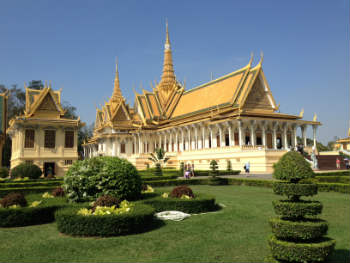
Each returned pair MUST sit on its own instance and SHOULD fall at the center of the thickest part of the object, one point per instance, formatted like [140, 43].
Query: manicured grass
[237, 233]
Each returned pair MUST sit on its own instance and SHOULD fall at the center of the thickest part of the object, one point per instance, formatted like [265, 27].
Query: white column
[314, 128]
[240, 133]
[295, 140]
[176, 141]
[140, 144]
[222, 137]
[274, 137]
[200, 139]
[204, 139]
[182, 140]
[229, 127]
[263, 134]
[189, 138]
[284, 137]
[195, 141]
[113, 147]
[252, 134]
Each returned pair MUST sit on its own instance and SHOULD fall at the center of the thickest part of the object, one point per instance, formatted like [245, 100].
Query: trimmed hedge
[201, 203]
[335, 173]
[31, 180]
[288, 208]
[333, 179]
[298, 230]
[220, 172]
[139, 219]
[158, 178]
[218, 181]
[26, 190]
[30, 184]
[289, 189]
[25, 216]
[329, 187]
[301, 252]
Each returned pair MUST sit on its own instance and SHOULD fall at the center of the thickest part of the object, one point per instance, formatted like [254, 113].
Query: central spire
[117, 94]
[168, 77]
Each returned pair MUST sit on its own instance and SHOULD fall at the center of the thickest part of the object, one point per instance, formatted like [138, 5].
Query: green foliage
[25, 216]
[290, 189]
[13, 199]
[292, 167]
[22, 170]
[201, 203]
[301, 252]
[229, 166]
[306, 230]
[333, 179]
[158, 156]
[158, 170]
[182, 169]
[295, 210]
[106, 200]
[139, 219]
[329, 187]
[334, 173]
[218, 181]
[214, 168]
[219, 172]
[4, 172]
[90, 178]
[179, 191]
[156, 178]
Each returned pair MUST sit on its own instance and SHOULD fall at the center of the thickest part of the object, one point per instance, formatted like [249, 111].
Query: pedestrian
[337, 162]
[247, 167]
[192, 170]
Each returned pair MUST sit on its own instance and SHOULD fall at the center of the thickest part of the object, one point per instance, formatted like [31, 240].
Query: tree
[158, 158]
[214, 168]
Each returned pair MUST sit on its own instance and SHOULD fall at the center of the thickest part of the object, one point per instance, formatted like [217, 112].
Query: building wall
[39, 154]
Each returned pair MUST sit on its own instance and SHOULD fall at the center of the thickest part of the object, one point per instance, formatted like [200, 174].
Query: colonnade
[246, 134]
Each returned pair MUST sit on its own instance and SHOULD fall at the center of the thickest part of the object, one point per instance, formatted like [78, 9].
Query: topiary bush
[139, 219]
[23, 170]
[158, 170]
[106, 200]
[4, 172]
[214, 168]
[88, 179]
[298, 233]
[12, 199]
[58, 192]
[181, 190]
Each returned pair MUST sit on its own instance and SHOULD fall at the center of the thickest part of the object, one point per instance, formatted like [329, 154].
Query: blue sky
[74, 44]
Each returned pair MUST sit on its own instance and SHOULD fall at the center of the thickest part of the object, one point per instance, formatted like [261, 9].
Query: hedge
[301, 252]
[151, 172]
[333, 179]
[31, 180]
[30, 184]
[220, 172]
[26, 190]
[287, 208]
[201, 203]
[335, 173]
[139, 219]
[298, 230]
[333, 187]
[218, 181]
[289, 189]
[25, 216]
[158, 178]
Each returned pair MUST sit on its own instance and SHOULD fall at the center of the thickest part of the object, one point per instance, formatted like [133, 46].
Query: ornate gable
[47, 104]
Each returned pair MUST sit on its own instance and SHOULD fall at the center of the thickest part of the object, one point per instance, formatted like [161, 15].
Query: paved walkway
[240, 176]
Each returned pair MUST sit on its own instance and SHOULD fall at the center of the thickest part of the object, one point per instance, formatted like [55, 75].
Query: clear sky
[75, 43]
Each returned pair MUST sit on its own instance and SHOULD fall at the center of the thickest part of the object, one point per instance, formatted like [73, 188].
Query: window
[50, 138]
[69, 139]
[122, 148]
[29, 138]
[68, 162]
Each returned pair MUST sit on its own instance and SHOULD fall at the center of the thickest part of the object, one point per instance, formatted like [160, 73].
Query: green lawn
[237, 233]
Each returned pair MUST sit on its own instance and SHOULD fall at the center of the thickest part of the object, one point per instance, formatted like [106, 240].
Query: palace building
[234, 117]
[42, 135]
[3, 121]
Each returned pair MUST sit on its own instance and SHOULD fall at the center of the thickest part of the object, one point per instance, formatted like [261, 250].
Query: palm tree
[158, 157]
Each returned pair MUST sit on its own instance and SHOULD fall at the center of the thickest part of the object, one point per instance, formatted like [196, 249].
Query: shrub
[179, 191]
[218, 181]
[25, 216]
[106, 200]
[229, 166]
[158, 170]
[292, 167]
[23, 170]
[139, 219]
[4, 172]
[297, 237]
[182, 169]
[214, 168]
[201, 203]
[58, 192]
[13, 199]
[88, 179]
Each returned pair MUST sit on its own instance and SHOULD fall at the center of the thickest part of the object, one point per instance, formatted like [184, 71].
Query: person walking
[337, 162]
[247, 167]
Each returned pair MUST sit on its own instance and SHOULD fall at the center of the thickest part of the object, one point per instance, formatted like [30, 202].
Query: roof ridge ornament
[251, 59]
[301, 114]
[261, 58]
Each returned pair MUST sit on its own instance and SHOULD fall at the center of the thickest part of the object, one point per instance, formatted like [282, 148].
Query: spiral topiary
[88, 179]
[13, 199]
[181, 190]
[298, 234]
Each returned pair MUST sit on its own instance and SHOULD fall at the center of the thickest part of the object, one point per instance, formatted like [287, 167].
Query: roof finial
[315, 117]
[117, 94]
[261, 58]
[301, 114]
[251, 59]
[25, 86]
[167, 41]
[116, 66]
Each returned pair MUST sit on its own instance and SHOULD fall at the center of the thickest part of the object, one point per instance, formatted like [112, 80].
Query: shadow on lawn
[340, 255]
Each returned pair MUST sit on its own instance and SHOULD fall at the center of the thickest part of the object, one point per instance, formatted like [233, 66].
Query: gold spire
[117, 94]
[168, 77]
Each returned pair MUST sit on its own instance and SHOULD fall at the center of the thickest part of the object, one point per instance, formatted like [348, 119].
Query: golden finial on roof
[25, 85]
[167, 41]
[50, 85]
[251, 59]
[261, 58]
[117, 94]
[45, 84]
[301, 114]
[315, 117]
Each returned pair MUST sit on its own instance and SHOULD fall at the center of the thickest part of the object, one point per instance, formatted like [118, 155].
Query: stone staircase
[328, 162]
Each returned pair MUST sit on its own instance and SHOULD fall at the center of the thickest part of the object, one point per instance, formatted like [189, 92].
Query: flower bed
[79, 221]
[38, 212]
[199, 204]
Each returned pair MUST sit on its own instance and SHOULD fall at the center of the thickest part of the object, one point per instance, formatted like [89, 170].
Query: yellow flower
[35, 204]
[165, 195]
[185, 197]
[47, 195]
